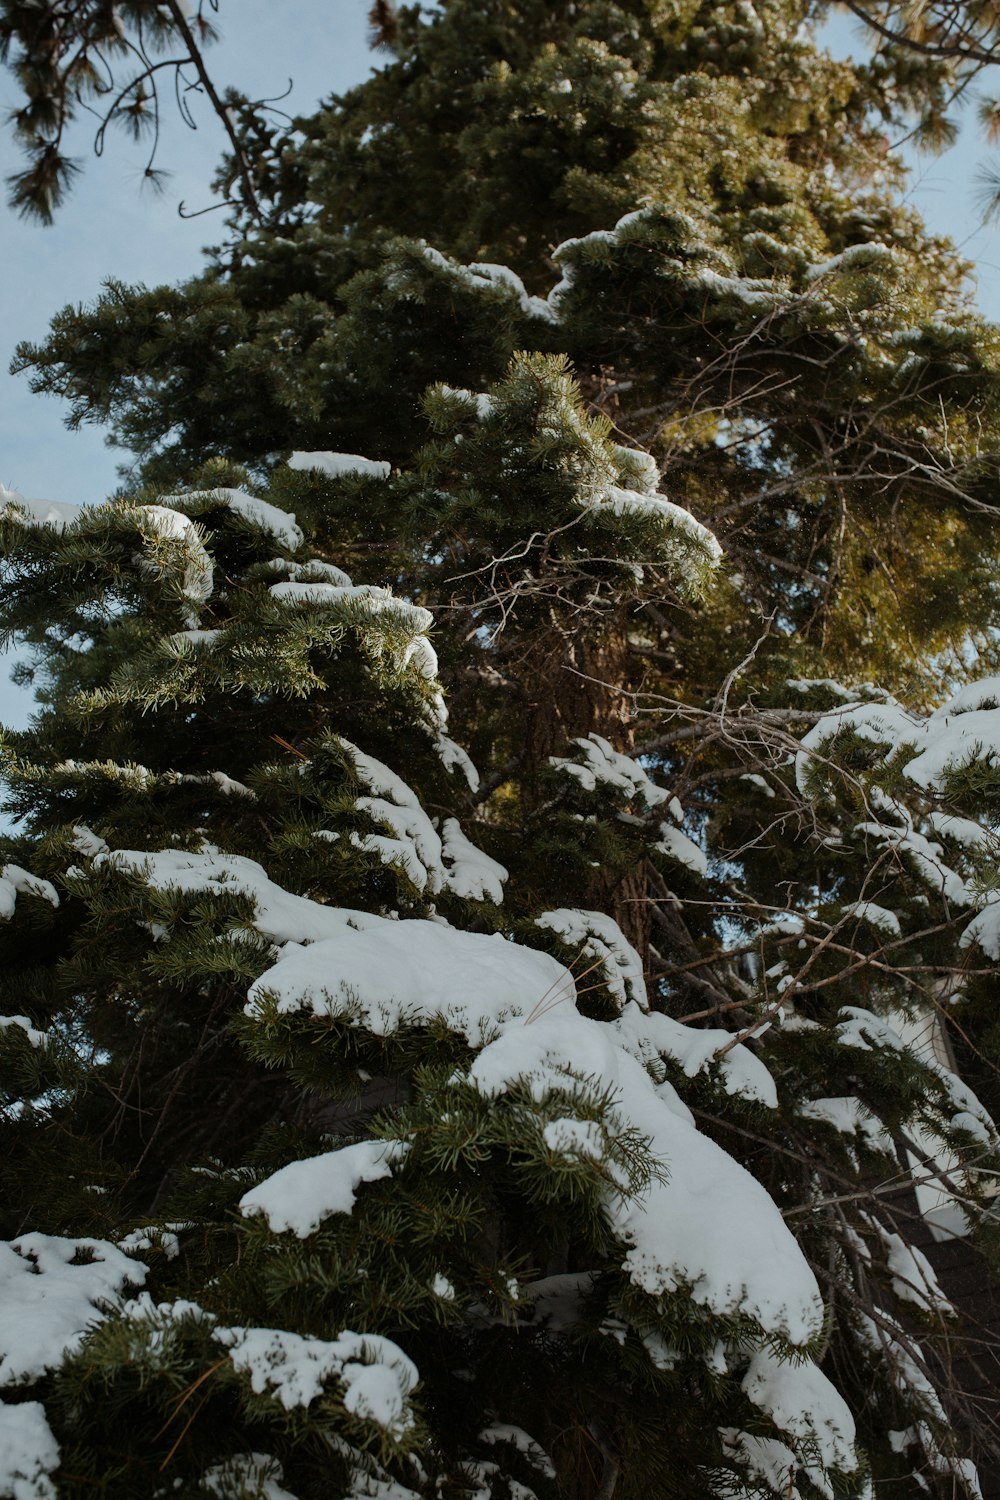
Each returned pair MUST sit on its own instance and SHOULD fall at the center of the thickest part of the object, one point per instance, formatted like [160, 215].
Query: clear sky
[945, 189]
[110, 227]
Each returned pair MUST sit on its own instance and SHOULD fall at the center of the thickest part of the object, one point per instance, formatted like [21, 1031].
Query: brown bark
[579, 687]
[576, 688]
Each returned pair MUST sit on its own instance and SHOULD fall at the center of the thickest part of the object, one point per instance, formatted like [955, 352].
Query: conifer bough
[109, 60]
[501, 934]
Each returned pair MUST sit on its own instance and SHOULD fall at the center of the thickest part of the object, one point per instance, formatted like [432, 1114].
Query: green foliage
[373, 1067]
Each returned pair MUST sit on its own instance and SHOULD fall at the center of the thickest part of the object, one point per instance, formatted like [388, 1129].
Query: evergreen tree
[577, 1125]
[108, 60]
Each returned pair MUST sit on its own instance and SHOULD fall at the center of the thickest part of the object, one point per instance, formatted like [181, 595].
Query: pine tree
[580, 1124]
[108, 61]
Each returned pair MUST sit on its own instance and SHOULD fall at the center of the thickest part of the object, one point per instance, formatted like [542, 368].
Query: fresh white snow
[375, 1374]
[334, 465]
[14, 880]
[517, 1006]
[301, 1195]
[261, 513]
[256, 1474]
[876, 916]
[599, 764]
[56, 513]
[47, 1302]
[602, 948]
[29, 1453]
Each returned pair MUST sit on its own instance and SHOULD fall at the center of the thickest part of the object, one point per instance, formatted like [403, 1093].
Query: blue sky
[111, 228]
[945, 189]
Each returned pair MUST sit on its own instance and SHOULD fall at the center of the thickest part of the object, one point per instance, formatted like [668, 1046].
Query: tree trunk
[580, 686]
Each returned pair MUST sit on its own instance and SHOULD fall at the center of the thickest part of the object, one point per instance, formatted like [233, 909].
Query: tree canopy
[502, 918]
